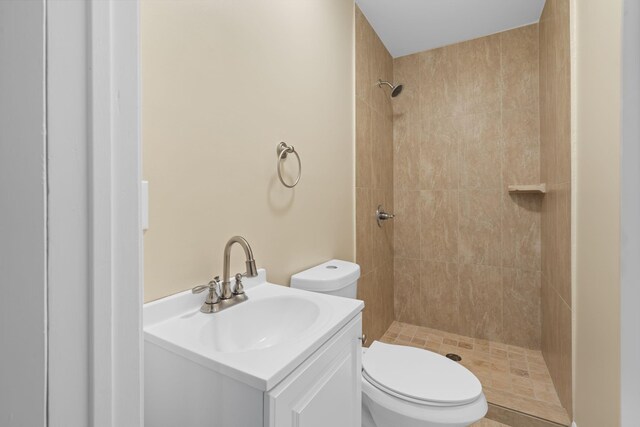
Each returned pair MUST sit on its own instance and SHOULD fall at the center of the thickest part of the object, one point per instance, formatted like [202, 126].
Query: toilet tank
[333, 277]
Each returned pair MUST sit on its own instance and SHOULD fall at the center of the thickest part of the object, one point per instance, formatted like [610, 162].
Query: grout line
[459, 201]
[502, 171]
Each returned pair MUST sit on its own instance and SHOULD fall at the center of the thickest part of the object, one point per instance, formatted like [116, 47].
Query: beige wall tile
[563, 378]
[481, 300]
[388, 295]
[376, 289]
[548, 234]
[519, 56]
[382, 300]
[364, 145]
[382, 236]
[406, 124]
[365, 293]
[406, 71]
[382, 151]
[521, 231]
[406, 145]
[407, 299]
[439, 225]
[556, 341]
[480, 239]
[562, 78]
[563, 241]
[439, 158]
[364, 227]
[439, 82]
[522, 315]
[381, 65]
[479, 75]
[407, 223]
[549, 340]
[563, 130]
[439, 295]
[548, 105]
[481, 141]
[521, 146]
[520, 160]
[521, 124]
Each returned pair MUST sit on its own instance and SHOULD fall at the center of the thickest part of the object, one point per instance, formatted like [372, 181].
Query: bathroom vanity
[285, 357]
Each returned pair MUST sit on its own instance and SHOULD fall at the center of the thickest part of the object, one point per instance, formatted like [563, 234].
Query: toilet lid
[419, 375]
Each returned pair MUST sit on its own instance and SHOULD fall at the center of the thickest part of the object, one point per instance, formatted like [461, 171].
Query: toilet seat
[384, 410]
[419, 376]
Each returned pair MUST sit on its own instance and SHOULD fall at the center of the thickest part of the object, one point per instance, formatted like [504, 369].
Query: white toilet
[402, 386]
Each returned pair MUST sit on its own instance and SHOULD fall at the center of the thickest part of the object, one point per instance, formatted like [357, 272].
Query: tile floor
[513, 377]
[485, 422]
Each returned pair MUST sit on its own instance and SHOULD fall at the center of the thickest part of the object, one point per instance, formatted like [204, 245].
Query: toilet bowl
[402, 386]
[410, 387]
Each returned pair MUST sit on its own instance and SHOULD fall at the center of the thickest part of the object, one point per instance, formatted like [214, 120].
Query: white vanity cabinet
[283, 358]
[325, 390]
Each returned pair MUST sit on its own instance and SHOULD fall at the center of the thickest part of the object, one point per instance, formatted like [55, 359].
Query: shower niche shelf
[532, 189]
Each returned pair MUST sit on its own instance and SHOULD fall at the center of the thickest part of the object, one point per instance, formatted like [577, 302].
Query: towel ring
[283, 150]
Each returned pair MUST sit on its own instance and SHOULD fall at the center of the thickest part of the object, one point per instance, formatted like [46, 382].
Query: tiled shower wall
[467, 253]
[374, 179]
[555, 169]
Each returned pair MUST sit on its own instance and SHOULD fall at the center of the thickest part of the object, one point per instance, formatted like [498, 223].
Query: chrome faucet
[218, 301]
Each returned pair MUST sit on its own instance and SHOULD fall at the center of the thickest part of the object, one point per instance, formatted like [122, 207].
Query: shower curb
[517, 419]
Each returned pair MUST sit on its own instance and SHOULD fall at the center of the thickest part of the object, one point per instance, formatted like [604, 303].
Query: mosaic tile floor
[488, 423]
[512, 377]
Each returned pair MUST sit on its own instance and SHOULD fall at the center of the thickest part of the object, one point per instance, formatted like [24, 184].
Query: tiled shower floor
[512, 377]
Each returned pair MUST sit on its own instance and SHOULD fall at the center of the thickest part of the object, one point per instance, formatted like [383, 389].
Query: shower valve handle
[381, 215]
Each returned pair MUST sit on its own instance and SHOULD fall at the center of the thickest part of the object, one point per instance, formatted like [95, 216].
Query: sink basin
[258, 341]
[265, 323]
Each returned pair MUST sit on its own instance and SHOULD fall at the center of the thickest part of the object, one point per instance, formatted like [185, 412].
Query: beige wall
[597, 281]
[374, 178]
[467, 253]
[223, 82]
[555, 170]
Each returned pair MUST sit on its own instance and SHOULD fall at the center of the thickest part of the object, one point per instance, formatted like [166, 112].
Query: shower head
[395, 89]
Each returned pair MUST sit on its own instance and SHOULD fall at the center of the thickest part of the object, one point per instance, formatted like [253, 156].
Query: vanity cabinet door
[325, 390]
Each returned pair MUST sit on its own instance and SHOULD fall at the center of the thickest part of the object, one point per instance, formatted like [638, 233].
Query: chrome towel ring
[283, 150]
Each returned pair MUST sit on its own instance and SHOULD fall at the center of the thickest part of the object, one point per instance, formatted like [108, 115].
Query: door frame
[95, 254]
[630, 216]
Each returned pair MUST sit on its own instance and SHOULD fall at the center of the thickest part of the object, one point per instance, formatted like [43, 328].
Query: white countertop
[176, 324]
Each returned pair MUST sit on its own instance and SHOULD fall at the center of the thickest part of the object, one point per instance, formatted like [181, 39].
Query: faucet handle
[201, 288]
[238, 288]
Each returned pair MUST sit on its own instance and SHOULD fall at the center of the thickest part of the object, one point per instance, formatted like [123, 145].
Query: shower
[395, 89]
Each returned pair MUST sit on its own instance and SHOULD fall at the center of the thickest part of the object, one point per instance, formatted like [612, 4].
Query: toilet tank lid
[326, 277]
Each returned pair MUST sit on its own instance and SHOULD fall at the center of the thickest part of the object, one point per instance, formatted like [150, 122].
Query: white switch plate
[144, 201]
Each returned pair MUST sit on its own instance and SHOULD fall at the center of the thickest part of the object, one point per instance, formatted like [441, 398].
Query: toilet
[402, 386]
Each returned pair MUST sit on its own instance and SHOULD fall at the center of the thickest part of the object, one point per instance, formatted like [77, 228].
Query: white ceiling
[410, 26]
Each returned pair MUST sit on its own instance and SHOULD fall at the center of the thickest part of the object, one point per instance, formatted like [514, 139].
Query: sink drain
[454, 357]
